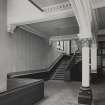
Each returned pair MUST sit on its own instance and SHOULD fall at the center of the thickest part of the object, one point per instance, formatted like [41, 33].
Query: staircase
[72, 66]
[60, 69]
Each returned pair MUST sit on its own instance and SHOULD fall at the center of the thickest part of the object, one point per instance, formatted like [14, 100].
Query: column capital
[11, 28]
[85, 42]
[93, 44]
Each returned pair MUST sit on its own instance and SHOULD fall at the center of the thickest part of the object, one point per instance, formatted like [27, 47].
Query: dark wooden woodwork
[22, 92]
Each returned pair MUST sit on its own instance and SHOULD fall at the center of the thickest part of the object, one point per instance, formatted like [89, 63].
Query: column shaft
[85, 93]
[93, 58]
[85, 65]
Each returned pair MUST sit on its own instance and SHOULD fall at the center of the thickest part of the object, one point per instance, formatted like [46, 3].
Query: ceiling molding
[58, 11]
[98, 4]
[49, 17]
[11, 28]
[83, 13]
[34, 31]
[36, 5]
[63, 38]
[52, 14]
[58, 7]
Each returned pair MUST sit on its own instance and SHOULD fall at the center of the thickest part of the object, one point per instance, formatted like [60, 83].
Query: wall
[52, 53]
[5, 55]
[31, 52]
[23, 12]
[21, 50]
[17, 14]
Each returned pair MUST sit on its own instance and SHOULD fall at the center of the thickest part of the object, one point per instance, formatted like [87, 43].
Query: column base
[85, 96]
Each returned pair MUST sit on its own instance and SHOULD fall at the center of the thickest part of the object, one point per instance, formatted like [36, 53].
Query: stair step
[61, 67]
[60, 71]
[58, 79]
[59, 75]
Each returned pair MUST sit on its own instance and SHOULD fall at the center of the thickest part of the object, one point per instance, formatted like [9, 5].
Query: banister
[55, 62]
[71, 61]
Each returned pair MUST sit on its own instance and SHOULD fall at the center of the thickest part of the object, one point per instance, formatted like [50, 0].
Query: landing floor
[66, 93]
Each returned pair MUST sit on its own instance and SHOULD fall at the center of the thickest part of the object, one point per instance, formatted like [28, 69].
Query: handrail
[51, 69]
[71, 60]
[55, 62]
[48, 70]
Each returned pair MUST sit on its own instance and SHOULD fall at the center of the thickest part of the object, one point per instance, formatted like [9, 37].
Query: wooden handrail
[55, 62]
[71, 61]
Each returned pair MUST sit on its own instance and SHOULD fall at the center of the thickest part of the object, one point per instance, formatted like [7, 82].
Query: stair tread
[60, 70]
[59, 76]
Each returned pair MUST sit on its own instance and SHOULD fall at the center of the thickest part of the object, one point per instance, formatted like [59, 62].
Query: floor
[66, 93]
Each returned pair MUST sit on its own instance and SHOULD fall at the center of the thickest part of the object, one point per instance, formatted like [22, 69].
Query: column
[93, 62]
[85, 63]
[85, 93]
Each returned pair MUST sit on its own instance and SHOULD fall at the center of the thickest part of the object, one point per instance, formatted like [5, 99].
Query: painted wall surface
[52, 53]
[5, 52]
[31, 52]
[21, 50]
[21, 11]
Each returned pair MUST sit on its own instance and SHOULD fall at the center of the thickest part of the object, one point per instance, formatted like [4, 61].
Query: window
[60, 45]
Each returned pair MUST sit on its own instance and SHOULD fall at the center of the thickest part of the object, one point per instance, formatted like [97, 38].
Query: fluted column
[93, 58]
[85, 63]
[94, 74]
[85, 94]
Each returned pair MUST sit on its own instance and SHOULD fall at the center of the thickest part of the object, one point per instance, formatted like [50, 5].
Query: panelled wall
[21, 50]
[5, 48]
[31, 52]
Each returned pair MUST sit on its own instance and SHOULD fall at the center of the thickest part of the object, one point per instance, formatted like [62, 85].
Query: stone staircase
[60, 69]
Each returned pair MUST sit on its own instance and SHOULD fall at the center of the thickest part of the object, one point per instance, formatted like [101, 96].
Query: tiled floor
[66, 93]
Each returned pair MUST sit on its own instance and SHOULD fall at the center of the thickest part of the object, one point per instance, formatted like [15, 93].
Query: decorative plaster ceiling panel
[57, 27]
[45, 3]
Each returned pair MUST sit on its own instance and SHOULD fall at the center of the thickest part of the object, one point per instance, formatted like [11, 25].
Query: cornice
[58, 7]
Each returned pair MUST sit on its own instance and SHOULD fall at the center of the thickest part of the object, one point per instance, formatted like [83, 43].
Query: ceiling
[45, 3]
[62, 26]
[65, 26]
